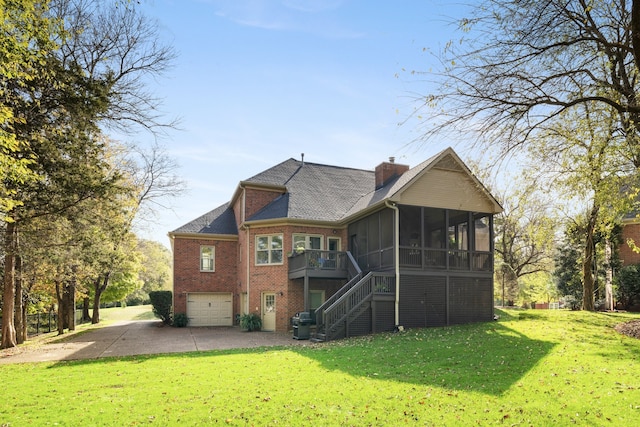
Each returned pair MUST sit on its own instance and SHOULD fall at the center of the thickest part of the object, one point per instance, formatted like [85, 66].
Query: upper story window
[307, 241]
[207, 258]
[269, 249]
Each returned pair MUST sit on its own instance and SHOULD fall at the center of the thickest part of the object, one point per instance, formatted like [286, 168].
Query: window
[269, 249]
[207, 258]
[307, 241]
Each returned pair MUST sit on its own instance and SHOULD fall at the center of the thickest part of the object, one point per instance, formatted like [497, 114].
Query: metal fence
[42, 323]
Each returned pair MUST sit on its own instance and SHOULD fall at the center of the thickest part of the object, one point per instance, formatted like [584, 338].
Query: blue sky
[257, 82]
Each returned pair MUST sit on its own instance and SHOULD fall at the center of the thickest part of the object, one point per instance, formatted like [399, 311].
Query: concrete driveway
[144, 337]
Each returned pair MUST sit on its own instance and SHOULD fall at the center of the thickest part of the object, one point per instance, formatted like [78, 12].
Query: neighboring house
[363, 251]
[630, 239]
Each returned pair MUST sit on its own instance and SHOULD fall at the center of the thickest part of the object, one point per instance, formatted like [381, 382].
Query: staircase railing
[336, 317]
[355, 274]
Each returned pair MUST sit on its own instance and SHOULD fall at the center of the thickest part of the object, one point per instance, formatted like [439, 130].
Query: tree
[567, 272]
[586, 160]
[115, 40]
[531, 75]
[57, 132]
[24, 32]
[149, 177]
[125, 281]
[85, 63]
[155, 272]
[520, 65]
[524, 236]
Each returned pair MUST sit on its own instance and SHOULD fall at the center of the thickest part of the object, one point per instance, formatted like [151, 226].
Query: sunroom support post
[306, 293]
[396, 260]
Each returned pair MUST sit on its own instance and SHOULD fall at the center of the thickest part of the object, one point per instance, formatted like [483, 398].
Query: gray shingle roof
[314, 192]
[221, 220]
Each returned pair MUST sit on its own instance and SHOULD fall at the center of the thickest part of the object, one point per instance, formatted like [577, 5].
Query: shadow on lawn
[487, 358]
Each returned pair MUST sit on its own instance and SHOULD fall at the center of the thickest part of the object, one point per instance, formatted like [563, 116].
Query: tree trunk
[71, 304]
[60, 317]
[19, 319]
[9, 293]
[99, 289]
[85, 309]
[95, 316]
[588, 281]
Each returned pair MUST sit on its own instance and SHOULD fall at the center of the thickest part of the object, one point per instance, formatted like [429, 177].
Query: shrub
[250, 322]
[161, 302]
[572, 302]
[628, 289]
[180, 320]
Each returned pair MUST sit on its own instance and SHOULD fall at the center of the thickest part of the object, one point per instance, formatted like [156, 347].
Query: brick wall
[268, 278]
[187, 276]
[274, 278]
[257, 199]
[231, 271]
[627, 255]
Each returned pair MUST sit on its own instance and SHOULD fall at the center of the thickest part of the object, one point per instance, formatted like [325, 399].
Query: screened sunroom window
[482, 229]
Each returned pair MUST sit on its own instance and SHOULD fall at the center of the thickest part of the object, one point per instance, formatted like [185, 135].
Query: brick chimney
[386, 171]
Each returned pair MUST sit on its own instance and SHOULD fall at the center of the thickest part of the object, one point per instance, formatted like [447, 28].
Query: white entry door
[268, 311]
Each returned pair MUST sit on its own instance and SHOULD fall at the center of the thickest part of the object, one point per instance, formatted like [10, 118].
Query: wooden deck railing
[355, 273]
[428, 259]
[337, 316]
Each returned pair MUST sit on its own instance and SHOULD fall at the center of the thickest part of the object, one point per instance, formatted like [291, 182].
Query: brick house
[363, 251]
[630, 232]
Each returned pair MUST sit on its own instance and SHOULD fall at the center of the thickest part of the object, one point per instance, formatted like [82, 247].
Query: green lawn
[134, 312]
[531, 368]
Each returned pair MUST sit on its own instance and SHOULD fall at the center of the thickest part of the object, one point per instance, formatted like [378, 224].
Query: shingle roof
[221, 220]
[314, 192]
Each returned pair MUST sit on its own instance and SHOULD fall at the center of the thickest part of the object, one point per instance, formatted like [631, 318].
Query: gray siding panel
[470, 300]
[422, 301]
[384, 316]
[436, 301]
[361, 324]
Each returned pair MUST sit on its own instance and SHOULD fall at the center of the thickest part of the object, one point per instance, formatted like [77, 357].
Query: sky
[257, 82]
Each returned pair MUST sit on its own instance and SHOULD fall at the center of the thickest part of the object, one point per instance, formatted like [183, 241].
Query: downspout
[246, 227]
[396, 256]
[248, 244]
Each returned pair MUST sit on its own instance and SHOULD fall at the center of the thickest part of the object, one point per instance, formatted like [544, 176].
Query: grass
[529, 368]
[136, 312]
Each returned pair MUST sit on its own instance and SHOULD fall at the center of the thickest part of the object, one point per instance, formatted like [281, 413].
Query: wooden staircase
[337, 316]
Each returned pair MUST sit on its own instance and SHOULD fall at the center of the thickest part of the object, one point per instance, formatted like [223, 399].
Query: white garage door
[210, 309]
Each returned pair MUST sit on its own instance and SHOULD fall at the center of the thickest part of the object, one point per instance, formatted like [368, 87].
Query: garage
[210, 309]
